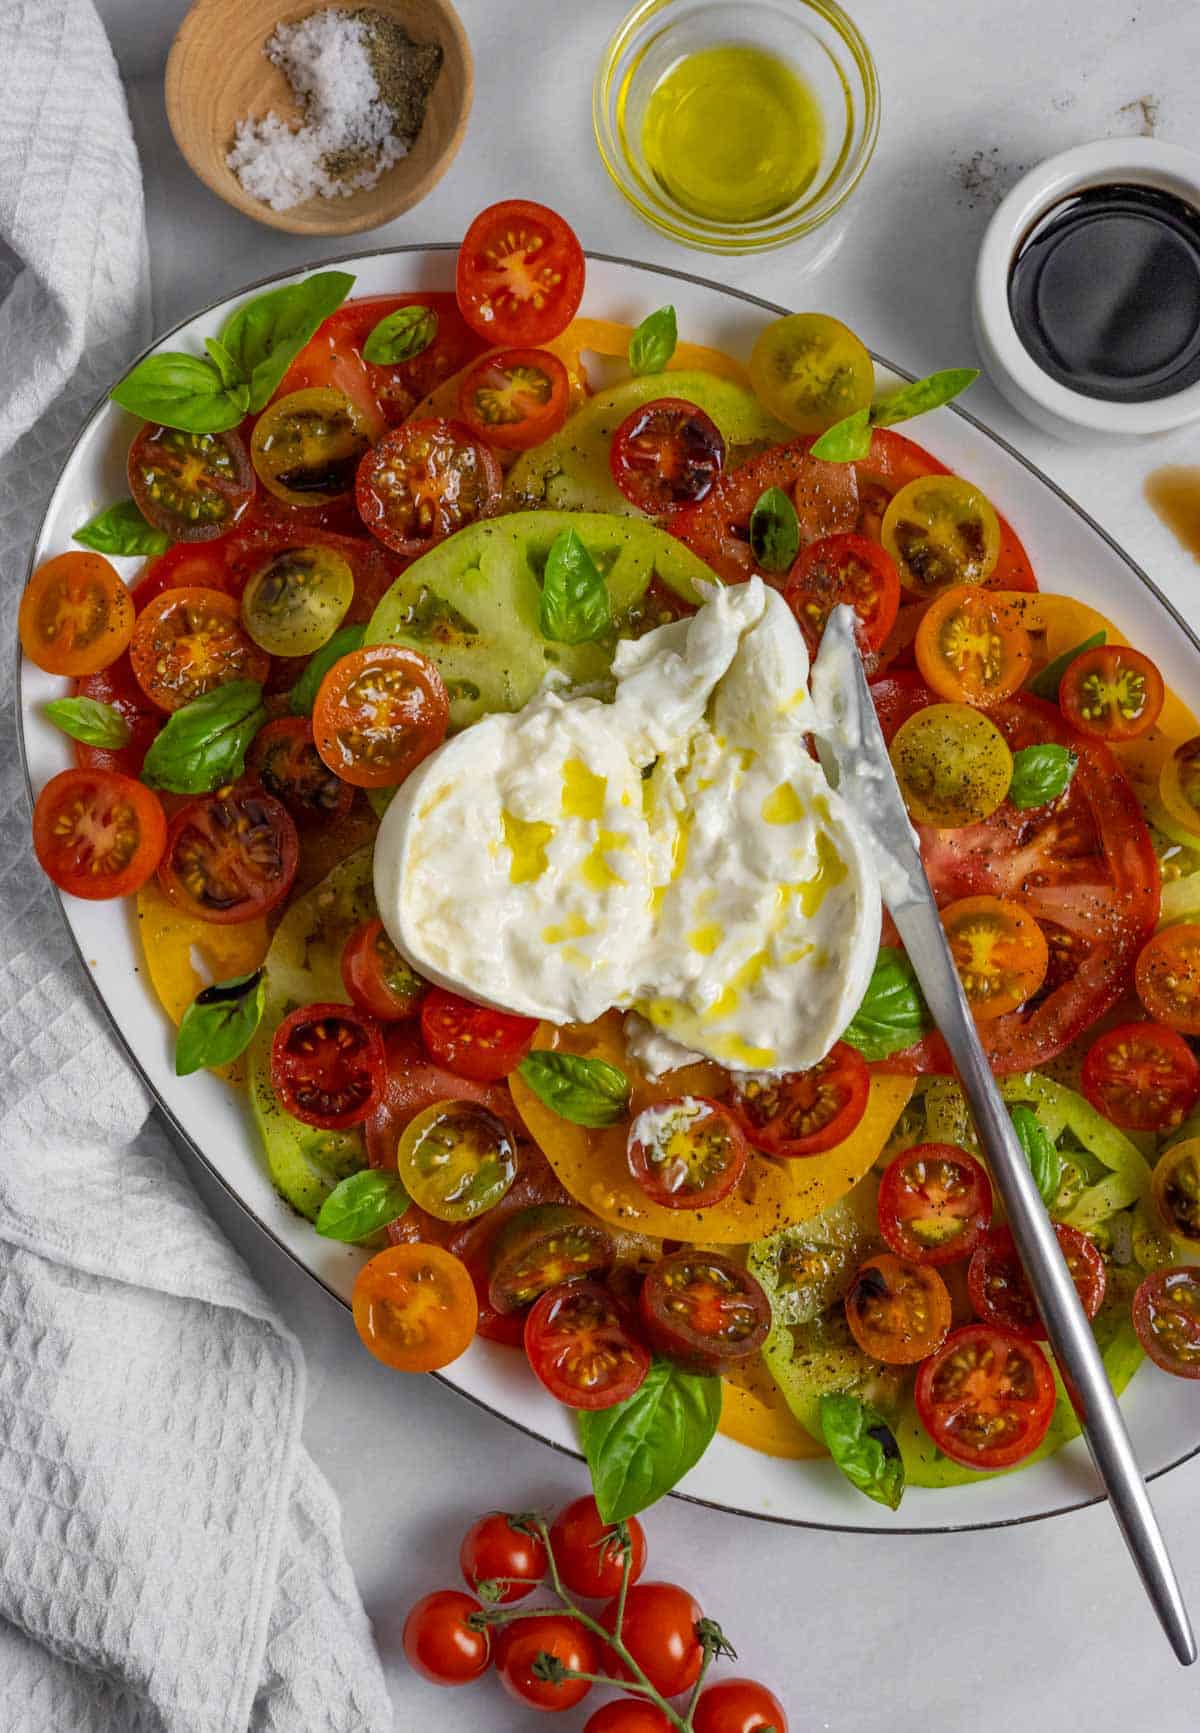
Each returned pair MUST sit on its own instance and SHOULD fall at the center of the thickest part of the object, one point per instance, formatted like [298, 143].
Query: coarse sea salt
[347, 138]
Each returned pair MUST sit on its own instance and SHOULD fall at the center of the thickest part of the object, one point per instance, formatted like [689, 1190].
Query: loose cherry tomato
[1175, 1189]
[515, 398]
[986, 1397]
[1179, 784]
[935, 1203]
[377, 977]
[1112, 693]
[627, 1715]
[440, 1645]
[378, 713]
[472, 1040]
[1000, 1291]
[739, 1706]
[1000, 953]
[1166, 1316]
[306, 447]
[589, 1552]
[582, 1345]
[457, 1160]
[844, 568]
[703, 1310]
[659, 1630]
[810, 371]
[1141, 1077]
[520, 273]
[518, 1646]
[953, 765]
[187, 642]
[287, 763]
[415, 1307]
[686, 1153]
[898, 1311]
[667, 453]
[294, 603]
[230, 856]
[75, 616]
[423, 481]
[194, 486]
[496, 1548]
[1167, 977]
[98, 834]
[327, 1065]
[940, 531]
[970, 648]
[543, 1247]
[801, 1113]
[116, 686]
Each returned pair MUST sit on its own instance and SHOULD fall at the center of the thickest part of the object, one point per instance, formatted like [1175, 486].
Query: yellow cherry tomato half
[457, 1159]
[1000, 953]
[1179, 784]
[810, 371]
[1175, 1189]
[297, 600]
[953, 765]
[305, 447]
[940, 530]
[415, 1307]
[971, 649]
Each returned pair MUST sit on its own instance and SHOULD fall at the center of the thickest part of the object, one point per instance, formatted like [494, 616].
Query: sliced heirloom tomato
[230, 856]
[98, 834]
[520, 273]
[1112, 693]
[116, 686]
[703, 1311]
[476, 1042]
[686, 1153]
[542, 1248]
[378, 713]
[1167, 977]
[306, 447]
[1000, 953]
[515, 398]
[898, 1311]
[1175, 1189]
[75, 615]
[285, 760]
[802, 1113]
[935, 1203]
[941, 531]
[377, 977]
[456, 1159]
[583, 1346]
[844, 568]
[986, 1397]
[194, 486]
[1000, 1290]
[328, 1065]
[425, 480]
[970, 647]
[415, 1309]
[667, 453]
[187, 642]
[1141, 1077]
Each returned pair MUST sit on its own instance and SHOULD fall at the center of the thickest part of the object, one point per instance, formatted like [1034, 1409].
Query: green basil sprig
[574, 607]
[653, 343]
[1041, 1151]
[89, 720]
[1046, 684]
[121, 529]
[642, 1447]
[204, 744]
[1040, 773]
[893, 1013]
[184, 391]
[226, 365]
[360, 1205]
[774, 531]
[304, 693]
[219, 1023]
[400, 336]
[864, 1447]
[265, 335]
[585, 1091]
[849, 440]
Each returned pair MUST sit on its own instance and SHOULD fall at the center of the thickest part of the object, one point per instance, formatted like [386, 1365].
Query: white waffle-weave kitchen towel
[170, 1559]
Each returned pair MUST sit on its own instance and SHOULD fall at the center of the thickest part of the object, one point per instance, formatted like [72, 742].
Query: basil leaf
[846, 441]
[360, 1205]
[574, 608]
[401, 335]
[183, 391]
[121, 529]
[219, 1023]
[585, 1091]
[304, 693]
[864, 1447]
[88, 720]
[922, 395]
[774, 531]
[204, 744]
[226, 366]
[1046, 684]
[893, 1013]
[642, 1447]
[1040, 773]
[1041, 1152]
[265, 336]
[653, 343]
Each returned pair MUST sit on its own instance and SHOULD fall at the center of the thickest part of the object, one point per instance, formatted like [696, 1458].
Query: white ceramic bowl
[1065, 413]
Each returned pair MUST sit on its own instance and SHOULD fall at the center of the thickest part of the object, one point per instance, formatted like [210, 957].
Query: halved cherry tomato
[230, 856]
[660, 1630]
[686, 1153]
[98, 834]
[1000, 953]
[425, 480]
[1000, 1291]
[186, 642]
[986, 1397]
[414, 1308]
[379, 712]
[703, 1310]
[1175, 1189]
[377, 977]
[328, 1065]
[1112, 693]
[194, 486]
[515, 398]
[801, 1113]
[457, 1159]
[970, 648]
[287, 763]
[306, 447]
[520, 273]
[116, 686]
[844, 568]
[810, 371]
[543, 1247]
[1166, 1316]
[739, 1706]
[935, 1203]
[940, 531]
[500, 1550]
[75, 615]
[583, 1346]
[1167, 977]
[471, 1039]
[572, 1645]
[667, 453]
[294, 603]
[1179, 784]
[953, 765]
[1142, 1077]
[898, 1311]
[589, 1553]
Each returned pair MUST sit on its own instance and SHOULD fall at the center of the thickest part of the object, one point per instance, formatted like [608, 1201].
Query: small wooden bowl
[217, 73]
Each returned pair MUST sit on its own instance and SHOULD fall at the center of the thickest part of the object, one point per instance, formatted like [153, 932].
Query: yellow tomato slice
[184, 955]
[754, 1412]
[593, 1166]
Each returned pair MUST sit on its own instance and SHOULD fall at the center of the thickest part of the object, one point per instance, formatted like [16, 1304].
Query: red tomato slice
[425, 480]
[116, 685]
[520, 273]
[378, 713]
[1112, 693]
[703, 1310]
[98, 834]
[1000, 1291]
[377, 977]
[986, 1398]
[475, 1042]
[1142, 1077]
[935, 1203]
[230, 856]
[666, 454]
[583, 1346]
[804, 1112]
[515, 398]
[328, 1065]
[687, 1153]
[287, 763]
[1166, 1316]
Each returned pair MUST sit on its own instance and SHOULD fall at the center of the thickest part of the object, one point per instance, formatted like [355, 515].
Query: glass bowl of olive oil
[736, 125]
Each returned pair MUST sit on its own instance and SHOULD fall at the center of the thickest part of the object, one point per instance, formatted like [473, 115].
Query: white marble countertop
[1038, 1626]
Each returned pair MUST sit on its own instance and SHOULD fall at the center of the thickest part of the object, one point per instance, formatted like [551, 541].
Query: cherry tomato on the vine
[589, 1553]
[518, 1646]
[440, 1645]
[738, 1706]
[496, 1548]
[659, 1630]
[627, 1715]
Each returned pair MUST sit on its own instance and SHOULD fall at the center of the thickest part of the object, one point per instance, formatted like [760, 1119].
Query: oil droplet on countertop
[1174, 494]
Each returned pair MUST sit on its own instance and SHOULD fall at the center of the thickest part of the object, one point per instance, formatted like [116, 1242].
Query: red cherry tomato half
[518, 1646]
[515, 398]
[935, 1203]
[667, 453]
[98, 834]
[1112, 693]
[589, 1552]
[520, 273]
[1166, 1316]
[378, 713]
[285, 760]
[659, 1630]
[703, 1310]
[472, 1040]
[377, 977]
[328, 1065]
[986, 1397]
[186, 642]
[230, 856]
[627, 1715]
[495, 1550]
[804, 1112]
[738, 1706]
[686, 1153]
[898, 1311]
[440, 1645]
[1000, 1291]
[194, 486]
[582, 1345]
[423, 481]
[844, 568]
[1142, 1077]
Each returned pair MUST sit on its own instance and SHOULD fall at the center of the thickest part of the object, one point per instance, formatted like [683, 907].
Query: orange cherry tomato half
[583, 1346]
[98, 834]
[75, 616]
[935, 1203]
[328, 1065]
[803, 1113]
[660, 1632]
[377, 977]
[1000, 953]
[473, 1040]
[844, 568]
[379, 712]
[686, 1153]
[414, 1307]
[898, 1311]
[703, 1310]
[194, 486]
[230, 856]
[1000, 1291]
[970, 649]
[1166, 1316]
[285, 760]
[187, 642]
[423, 481]
[986, 1397]
[1141, 1077]
[1112, 693]
[1167, 977]
[667, 453]
[520, 273]
[515, 398]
